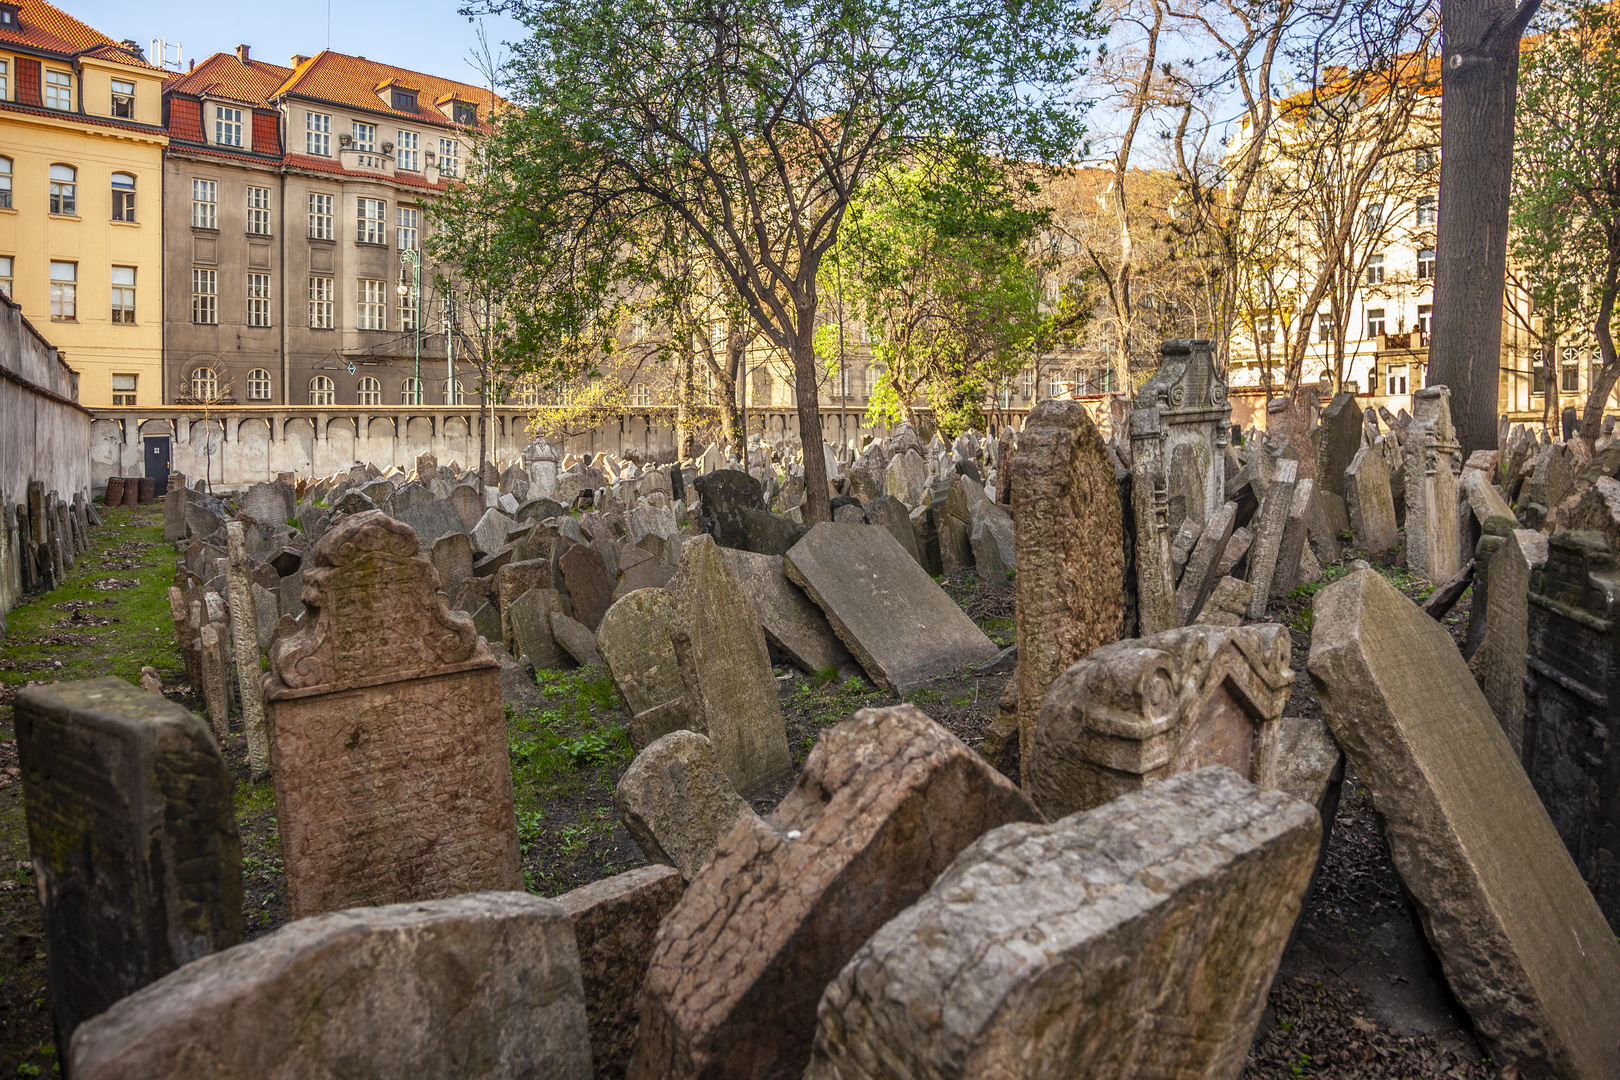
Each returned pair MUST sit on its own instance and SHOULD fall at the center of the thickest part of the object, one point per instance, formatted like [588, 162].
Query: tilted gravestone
[480, 987]
[1371, 501]
[1068, 531]
[1178, 466]
[1521, 941]
[886, 800]
[676, 802]
[1432, 545]
[132, 828]
[388, 734]
[590, 586]
[1137, 939]
[902, 627]
[1498, 664]
[1337, 443]
[1140, 711]
[1270, 525]
[791, 622]
[1572, 703]
[633, 641]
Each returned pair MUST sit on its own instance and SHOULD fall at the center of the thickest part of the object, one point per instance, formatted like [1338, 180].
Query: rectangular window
[227, 126]
[449, 157]
[365, 137]
[465, 114]
[1395, 380]
[258, 210]
[405, 231]
[370, 221]
[258, 299]
[123, 99]
[318, 134]
[1426, 264]
[1375, 269]
[124, 389]
[373, 300]
[5, 274]
[123, 197]
[1375, 321]
[405, 100]
[409, 149]
[5, 80]
[320, 303]
[1428, 210]
[407, 312]
[59, 90]
[64, 190]
[1425, 320]
[320, 217]
[204, 204]
[1569, 378]
[1374, 218]
[123, 294]
[64, 291]
[205, 297]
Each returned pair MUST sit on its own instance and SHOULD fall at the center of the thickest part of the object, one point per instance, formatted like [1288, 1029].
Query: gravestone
[892, 514]
[1227, 605]
[1139, 711]
[726, 670]
[676, 802]
[432, 520]
[1571, 702]
[1287, 572]
[1498, 664]
[1178, 462]
[633, 641]
[1432, 545]
[1287, 424]
[1338, 441]
[1371, 502]
[575, 638]
[468, 504]
[490, 531]
[480, 987]
[1199, 576]
[615, 923]
[791, 622]
[906, 478]
[723, 495]
[886, 800]
[453, 559]
[388, 743]
[1521, 941]
[268, 504]
[1270, 523]
[1069, 534]
[132, 828]
[1137, 939]
[530, 620]
[245, 646]
[590, 586]
[900, 625]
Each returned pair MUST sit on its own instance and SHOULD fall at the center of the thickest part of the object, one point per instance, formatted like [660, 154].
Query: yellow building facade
[81, 173]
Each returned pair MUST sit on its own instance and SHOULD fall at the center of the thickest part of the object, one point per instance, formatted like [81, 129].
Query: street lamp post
[412, 259]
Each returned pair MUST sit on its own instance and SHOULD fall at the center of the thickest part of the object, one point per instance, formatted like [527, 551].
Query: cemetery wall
[44, 433]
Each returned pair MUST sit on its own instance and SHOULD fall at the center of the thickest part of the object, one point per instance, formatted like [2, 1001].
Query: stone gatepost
[388, 734]
[1178, 466]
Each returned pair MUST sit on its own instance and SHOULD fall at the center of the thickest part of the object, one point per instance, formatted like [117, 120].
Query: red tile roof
[223, 75]
[44, 26]
[352, 80]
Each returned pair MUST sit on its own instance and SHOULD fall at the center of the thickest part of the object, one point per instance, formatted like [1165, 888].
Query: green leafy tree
[942, 266]
[1567, 196]
[754, 123]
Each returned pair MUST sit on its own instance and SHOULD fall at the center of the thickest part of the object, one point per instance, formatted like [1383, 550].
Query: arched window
[461, 394]
[123, 197]
[410, 392]
[5, 182]
[64, 190]
[205, 384]
[370, 391]
[321, 391]
[258, 385]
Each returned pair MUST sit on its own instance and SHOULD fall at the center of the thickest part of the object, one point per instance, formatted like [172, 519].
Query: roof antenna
[328, 25]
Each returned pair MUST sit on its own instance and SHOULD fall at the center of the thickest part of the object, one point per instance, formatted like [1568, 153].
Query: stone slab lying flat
[1520, 938]
[484, 986]
[1137, 939]
[897, 622]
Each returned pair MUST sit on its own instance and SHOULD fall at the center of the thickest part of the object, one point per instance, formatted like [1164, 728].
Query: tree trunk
[1592, 416]
[737, 367]
[684, 447]
[1479, 84]
[817, 502]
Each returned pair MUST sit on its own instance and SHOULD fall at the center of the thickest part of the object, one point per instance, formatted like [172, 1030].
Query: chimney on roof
[192, 66]
[129, 43]
[242, 54]
[297, 59]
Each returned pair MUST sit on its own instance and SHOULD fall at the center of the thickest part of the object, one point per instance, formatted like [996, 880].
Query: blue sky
[423, 35]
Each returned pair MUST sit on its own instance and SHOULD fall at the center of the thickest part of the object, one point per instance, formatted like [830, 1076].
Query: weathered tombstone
[615, 923]
[174, 512]
[1287, 572]
[1070, 544]
[1199, 576]
[892, 514]
[886, 800]
[530, 619]
[1288, 424]
[1030, 956]
[1270, 523]
[482, 987]
[132, 828]
[1236, 548]
[1137, 712]
[453, 558]
[1498, 664]
[726, 669]
[575, 638]
[245, 644]
[1569, 698]
[388, 734]
[790, 621]
[1370, 501]
[589, 585]
[1521, 941]
[468, 504]
[268, 504]
[217, 676]
[633, 641]
[676, 802]
[723, 496]
[1227, 605]
[1431, 488]
[894, 619]
[432, 520]
[1178, 440]
[1338, 442]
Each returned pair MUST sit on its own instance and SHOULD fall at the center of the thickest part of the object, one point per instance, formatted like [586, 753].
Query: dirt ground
[1359, 993]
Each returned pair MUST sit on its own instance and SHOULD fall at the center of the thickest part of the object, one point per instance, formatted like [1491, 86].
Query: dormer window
[466, 114]
[8, 14]
[404, 100]
[123, 99]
